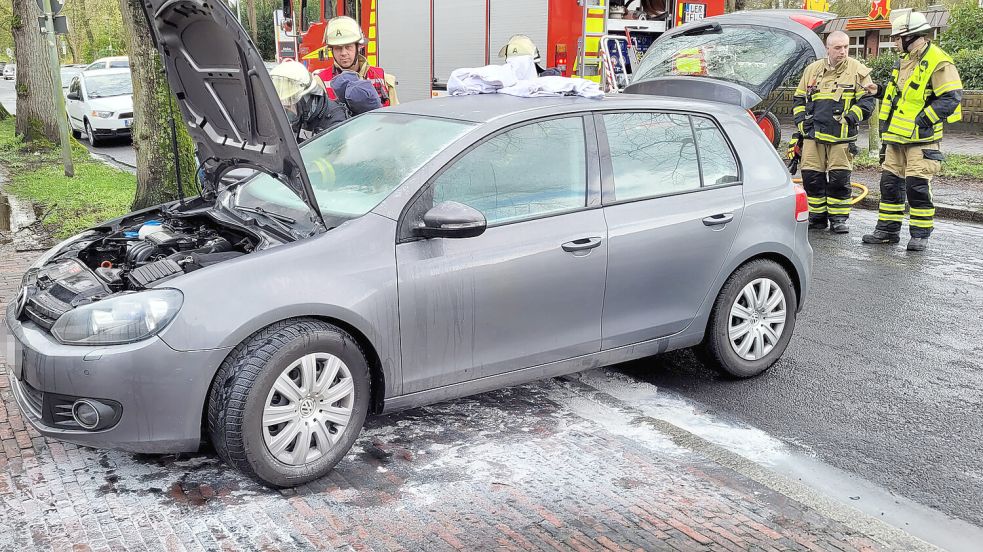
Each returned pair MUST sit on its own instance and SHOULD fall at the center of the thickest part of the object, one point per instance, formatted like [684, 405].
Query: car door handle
[715, 220]
[581, 245]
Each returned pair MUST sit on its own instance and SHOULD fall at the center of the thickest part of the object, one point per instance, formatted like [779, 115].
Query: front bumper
[111, 127]
[162, 392]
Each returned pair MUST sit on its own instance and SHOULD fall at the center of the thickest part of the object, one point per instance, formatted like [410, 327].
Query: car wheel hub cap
[757, 319]
[308, 408]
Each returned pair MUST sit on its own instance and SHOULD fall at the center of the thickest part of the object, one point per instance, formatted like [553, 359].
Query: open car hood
[737, 58]
[225, 93]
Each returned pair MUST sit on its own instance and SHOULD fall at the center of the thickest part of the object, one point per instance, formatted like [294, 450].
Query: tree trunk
[84, 22]
[253, 30]
[156, 175]
[36, 116]
[71, 52]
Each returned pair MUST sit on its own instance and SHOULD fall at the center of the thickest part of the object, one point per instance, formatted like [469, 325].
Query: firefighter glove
[923, 121]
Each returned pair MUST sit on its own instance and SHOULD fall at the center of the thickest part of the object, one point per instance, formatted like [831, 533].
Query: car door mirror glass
[451, 219]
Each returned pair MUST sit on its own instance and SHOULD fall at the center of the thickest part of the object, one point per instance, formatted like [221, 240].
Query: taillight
[801, 204]
[560, 56]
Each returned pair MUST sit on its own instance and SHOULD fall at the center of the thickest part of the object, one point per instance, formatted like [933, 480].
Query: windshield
[104, 86]
[753, 57]
[355, 166]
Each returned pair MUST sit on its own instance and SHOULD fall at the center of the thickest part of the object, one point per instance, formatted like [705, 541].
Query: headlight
[102, 114]
[124, 319]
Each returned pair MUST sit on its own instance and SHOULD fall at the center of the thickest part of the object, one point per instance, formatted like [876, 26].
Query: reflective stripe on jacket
[826, 95]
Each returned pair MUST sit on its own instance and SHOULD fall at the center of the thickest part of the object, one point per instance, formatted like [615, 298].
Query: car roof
[111, 58]
[483, 108]
[113, 71]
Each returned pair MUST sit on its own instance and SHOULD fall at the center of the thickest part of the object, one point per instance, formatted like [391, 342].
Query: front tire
[288, 403]
[752, 320]
[93, 141]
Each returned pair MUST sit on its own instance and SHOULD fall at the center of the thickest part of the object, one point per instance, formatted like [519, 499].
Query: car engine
[140, 251]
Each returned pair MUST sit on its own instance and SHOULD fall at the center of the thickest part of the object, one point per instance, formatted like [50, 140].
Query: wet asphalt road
[883, 376]
[119, 151]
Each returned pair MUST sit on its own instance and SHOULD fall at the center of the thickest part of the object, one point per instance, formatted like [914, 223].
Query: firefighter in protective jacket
[925, 91]
[344, 38]
[833, 97]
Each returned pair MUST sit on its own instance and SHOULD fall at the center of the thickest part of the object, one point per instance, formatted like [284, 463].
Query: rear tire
[751, 322]
[245, 405]
[75, 133]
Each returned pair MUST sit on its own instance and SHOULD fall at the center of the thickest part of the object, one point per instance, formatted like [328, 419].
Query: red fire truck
[422, 41]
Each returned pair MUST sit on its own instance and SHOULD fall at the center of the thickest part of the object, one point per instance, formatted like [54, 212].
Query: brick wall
[972, 108]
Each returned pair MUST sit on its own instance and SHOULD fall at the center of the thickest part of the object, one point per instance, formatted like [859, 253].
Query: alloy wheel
[757, 319]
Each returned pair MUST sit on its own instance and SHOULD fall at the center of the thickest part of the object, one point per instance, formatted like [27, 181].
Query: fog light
[91, 414]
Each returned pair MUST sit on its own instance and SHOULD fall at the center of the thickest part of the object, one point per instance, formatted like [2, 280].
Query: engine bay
[138, 252]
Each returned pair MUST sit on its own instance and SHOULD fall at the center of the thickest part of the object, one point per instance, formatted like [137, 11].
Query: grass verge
[96, 193]
[956, 165]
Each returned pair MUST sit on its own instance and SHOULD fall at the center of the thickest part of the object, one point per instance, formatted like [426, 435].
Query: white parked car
[9, 71]
[115, 62]
[100, 104]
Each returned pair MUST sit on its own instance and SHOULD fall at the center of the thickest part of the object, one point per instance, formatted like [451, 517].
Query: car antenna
[177, 158]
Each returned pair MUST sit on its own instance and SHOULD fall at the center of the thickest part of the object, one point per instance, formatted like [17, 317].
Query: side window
[652, 154]
[530, 171]
[716, 157]
[75, 87]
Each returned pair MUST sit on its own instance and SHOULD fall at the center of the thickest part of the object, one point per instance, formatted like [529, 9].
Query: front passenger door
[526, 292]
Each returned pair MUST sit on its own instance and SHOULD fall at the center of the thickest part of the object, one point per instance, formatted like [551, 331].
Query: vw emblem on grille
[19, 302]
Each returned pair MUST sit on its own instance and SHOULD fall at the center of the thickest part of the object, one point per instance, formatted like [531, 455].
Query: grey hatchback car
[411, 255]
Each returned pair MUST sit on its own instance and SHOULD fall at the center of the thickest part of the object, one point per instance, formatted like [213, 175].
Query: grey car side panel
[509, 298]
[348, 274]
[663, 261]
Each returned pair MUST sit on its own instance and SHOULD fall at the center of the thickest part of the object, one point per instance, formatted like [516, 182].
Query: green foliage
[965, 30]
[956, 165]
[881, 67]
[970, 66]
[96, 193]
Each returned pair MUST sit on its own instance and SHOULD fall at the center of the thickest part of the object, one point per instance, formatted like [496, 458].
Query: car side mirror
[451, 219]
[73, 96]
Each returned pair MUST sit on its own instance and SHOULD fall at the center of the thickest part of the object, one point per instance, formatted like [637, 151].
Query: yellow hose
[854, 199]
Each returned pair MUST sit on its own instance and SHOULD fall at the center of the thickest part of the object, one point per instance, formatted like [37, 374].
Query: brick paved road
[540, 467]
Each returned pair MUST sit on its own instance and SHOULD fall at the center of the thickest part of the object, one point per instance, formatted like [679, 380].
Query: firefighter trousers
[907, 171]
[826, 170]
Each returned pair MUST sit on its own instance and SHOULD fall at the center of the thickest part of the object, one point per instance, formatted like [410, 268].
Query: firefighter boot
[880, 236]
[917, 244]
[815, 184]
[891, 210]
[838, 200]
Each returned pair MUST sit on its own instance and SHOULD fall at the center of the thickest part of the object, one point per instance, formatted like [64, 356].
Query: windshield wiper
[281, 221]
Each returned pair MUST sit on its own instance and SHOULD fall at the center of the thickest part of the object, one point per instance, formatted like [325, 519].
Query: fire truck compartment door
[404, 45]
[458, 36]
[512, 17]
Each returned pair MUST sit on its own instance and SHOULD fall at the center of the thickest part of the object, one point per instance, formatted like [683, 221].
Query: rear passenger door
[673, 201]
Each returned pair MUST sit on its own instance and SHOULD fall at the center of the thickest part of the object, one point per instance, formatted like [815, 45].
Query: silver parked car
[411, 255]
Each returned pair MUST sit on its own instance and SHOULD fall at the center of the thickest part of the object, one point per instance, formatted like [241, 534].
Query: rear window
[745, 55]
